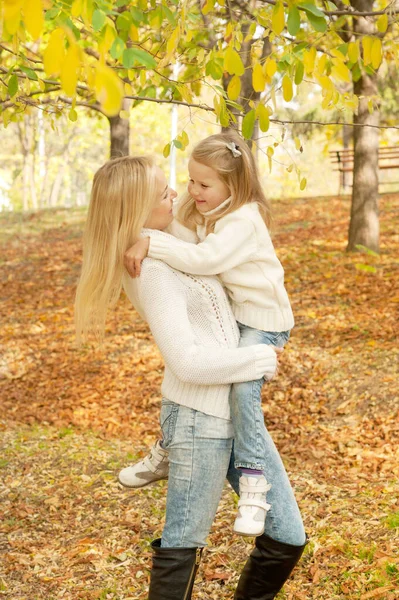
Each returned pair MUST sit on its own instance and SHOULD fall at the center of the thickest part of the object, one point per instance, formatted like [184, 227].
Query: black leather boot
[267, 569]
[173, 572]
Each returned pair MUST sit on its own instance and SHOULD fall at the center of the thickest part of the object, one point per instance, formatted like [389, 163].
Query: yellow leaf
[258, 78]
[134, 33]
[166, 150]
[70, 70]
[233, 63]
[73, 115]
[263, 115]
[340, 71]
[353, 51]
[270, 67]
[298, 144]
[321, 64]
[303, 183]
[309, 57]
[109, 90]
[34, 20]
[376, 53]
[287, 88]
[54, 54]
[278, 18]
[367, 43]
[173, 41]
[382, 23]
[108, 37]
[87, 12]
[234, 88]
[77, 7]
[12, 14]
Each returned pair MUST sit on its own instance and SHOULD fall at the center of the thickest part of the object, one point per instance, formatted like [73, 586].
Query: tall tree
[97, 52]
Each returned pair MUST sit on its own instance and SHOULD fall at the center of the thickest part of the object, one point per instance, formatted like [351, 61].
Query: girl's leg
[250, 440]
[278, 550]
[199, 452]
[246, 406]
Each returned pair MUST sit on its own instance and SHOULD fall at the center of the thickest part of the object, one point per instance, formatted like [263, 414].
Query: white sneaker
[152, 468]
[252, 505]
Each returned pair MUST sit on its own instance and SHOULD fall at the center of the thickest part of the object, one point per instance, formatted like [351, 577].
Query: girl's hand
[135, 256]
[278, 352]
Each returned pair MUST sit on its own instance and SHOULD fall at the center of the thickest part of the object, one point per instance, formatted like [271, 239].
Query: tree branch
[340, 13]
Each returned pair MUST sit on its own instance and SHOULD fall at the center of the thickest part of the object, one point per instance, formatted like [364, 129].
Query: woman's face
[161, 215]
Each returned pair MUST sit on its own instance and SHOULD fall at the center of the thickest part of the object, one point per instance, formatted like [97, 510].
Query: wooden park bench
[388, 158]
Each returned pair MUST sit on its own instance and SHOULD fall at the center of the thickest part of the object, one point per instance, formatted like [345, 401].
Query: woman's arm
[166, 313]
[232, 244]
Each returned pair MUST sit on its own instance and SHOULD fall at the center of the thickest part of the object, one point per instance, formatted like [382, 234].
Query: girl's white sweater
[196, 332]
[241, 253]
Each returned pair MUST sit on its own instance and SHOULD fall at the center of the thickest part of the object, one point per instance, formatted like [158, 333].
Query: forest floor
[70, 419]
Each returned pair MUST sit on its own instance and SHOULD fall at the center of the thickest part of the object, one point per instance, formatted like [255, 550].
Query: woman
[195, 330]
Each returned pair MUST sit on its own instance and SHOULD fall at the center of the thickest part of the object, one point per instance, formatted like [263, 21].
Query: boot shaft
[267, 569]
[173, 572]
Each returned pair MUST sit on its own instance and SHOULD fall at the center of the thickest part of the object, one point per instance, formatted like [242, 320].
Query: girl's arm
[232, 244]
[166, 313]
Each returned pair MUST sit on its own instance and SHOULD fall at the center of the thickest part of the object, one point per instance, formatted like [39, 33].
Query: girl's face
[205, 186]
[161, 215]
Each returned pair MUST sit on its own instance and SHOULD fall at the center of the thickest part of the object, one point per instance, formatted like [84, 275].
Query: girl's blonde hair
[239, 173]
[122, 198]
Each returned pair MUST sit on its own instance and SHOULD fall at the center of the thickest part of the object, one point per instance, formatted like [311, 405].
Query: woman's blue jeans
[250, 435]
[201, 456]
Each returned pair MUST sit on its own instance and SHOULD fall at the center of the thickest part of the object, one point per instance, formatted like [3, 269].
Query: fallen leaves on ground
[72, 418]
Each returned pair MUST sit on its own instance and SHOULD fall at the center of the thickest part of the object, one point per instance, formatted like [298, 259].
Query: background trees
[241, 60]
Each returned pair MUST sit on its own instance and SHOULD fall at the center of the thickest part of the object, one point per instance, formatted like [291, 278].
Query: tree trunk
[119, 131]
[364, 221]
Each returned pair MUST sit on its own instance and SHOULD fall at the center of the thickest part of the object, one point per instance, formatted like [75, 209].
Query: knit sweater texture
[241, 253]
[195, 330]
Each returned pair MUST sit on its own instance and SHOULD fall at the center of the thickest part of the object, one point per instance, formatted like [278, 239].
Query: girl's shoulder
[247, 212]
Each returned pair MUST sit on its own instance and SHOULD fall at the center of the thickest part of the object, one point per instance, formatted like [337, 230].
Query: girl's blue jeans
[201, 456]
[250, 434]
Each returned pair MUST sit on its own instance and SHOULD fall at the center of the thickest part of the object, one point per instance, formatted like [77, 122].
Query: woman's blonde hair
[239, 173]
[122, 198]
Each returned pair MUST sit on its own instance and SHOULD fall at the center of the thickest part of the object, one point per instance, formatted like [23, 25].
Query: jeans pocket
[168, 418]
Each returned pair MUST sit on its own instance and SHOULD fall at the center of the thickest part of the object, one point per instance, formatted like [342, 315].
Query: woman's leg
[199, 452]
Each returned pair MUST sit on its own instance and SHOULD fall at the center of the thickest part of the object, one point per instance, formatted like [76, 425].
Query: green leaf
[318, 23]
[214, 69]
[98, 20]
[311, 8]
[137, 15]
[51, 14]
[117, 48]
[29, 72]
[294, 20]
[137, 55]
[13, 85]
[299, 71]
[248, 124]
[124, 21]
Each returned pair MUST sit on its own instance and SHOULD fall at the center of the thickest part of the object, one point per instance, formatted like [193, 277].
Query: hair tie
[234, 149]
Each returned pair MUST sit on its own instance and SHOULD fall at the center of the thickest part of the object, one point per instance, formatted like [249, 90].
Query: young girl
[228, 211]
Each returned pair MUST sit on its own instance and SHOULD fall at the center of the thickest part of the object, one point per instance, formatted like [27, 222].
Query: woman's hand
[135, 256]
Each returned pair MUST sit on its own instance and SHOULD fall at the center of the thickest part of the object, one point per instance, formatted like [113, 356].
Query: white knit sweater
[241, 252]
[195, 330]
